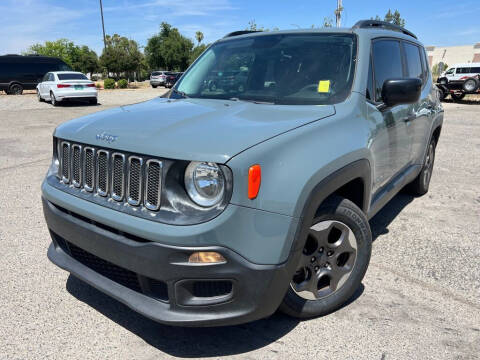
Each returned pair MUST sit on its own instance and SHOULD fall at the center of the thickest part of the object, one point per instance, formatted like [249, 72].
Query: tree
[199, 37]
[393, 18]
[196, 52]
[437, 69]
[121, 55]
[169, 49]
[78, 58]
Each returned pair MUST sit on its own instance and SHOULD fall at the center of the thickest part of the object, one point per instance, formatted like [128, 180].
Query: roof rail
[363, 24]
[241, 32]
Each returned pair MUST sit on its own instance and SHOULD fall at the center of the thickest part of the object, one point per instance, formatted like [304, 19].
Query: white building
[453, 54]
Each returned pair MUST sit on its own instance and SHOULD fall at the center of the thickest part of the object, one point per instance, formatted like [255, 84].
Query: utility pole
[103, 27]
[338, 13]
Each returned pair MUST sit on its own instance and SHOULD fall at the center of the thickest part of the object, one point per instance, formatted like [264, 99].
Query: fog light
[206, 257]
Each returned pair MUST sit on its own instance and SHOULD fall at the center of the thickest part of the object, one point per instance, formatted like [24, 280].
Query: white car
[57, 86]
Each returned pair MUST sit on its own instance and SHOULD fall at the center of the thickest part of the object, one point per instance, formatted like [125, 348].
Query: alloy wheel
[327, 260]
[427, 168]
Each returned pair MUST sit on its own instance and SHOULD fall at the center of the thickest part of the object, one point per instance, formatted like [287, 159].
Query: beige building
[453, 54]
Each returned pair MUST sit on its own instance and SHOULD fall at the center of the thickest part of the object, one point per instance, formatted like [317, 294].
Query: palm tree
[199, 36]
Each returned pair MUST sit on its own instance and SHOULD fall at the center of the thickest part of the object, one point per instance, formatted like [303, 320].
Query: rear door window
[414, 63]
[387, 63]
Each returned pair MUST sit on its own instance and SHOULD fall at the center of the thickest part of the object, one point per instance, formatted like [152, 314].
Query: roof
[368, 28]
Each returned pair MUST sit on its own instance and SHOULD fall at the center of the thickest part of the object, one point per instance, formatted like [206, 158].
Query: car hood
[189, 129]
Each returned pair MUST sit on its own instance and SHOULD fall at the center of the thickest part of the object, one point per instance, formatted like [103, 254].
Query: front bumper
[156, 280]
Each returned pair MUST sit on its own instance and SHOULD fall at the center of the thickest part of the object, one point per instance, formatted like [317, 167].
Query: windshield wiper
[252, 101]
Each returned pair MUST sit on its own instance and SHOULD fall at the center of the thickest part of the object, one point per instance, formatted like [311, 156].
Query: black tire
[154, 86]
[470, 85]
[93, 101]
[442, 94]
[346, 215]
[53, 100]
[15, 89]
[457, 96]
[420, 185]
[39, 97]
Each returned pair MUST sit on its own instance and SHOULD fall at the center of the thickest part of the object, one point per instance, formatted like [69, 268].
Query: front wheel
[457, 96]
[154, 86]
[333, 261]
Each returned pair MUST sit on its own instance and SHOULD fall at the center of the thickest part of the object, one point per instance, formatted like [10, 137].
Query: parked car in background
[58, 86]
[18, 72]
[172, 79]
[158, 78]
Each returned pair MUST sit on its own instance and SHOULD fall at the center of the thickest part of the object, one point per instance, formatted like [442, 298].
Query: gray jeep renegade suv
[217, 205]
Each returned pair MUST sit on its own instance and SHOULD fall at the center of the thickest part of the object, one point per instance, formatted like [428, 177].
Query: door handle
[409, 118]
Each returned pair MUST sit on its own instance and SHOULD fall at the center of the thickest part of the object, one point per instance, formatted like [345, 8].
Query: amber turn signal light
[254, 180]
[206, 257]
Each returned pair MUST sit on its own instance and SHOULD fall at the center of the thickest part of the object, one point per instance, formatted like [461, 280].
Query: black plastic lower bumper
[157, 281]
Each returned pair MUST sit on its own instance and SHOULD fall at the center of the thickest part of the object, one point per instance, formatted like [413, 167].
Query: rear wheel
[154, 86]
[53, 100]
[470, 85]
[93, 101]
[15, 89]
[420, 185]
[39, 97]
[333, 262]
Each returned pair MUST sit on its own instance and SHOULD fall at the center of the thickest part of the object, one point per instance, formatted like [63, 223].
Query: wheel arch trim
[359, 169]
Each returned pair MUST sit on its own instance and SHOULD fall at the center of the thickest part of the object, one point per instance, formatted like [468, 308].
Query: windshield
[301, 69]
[71, 77]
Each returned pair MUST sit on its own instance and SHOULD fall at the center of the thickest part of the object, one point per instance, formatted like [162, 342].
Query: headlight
[205, 183]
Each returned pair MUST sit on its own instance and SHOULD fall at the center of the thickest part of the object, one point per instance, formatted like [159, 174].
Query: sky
[25, 22]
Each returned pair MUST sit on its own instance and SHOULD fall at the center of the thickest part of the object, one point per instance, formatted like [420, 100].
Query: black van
[18, 72]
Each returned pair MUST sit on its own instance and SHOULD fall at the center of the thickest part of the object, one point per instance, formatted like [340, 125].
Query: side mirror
[401, 91]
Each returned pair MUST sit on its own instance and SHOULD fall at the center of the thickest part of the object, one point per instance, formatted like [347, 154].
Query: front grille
[131, 179]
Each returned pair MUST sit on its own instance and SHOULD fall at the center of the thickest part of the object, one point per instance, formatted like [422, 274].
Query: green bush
[98, 85]
[122, 84]
[109, 84]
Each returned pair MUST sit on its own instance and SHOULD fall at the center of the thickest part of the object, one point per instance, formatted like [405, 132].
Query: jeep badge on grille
[109, 138]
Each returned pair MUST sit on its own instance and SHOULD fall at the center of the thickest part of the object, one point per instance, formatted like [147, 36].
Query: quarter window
[414, 64]
[387, 63]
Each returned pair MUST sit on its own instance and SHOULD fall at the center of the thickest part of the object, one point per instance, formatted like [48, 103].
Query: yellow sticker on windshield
[324, 86]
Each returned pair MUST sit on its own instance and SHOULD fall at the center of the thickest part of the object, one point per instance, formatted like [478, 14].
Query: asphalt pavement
[420, 298]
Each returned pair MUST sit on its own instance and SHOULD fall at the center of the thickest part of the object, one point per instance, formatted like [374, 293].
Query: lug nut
[320, 250]
[330, 253]
[327, 265]
[316, 268]
[312, 259]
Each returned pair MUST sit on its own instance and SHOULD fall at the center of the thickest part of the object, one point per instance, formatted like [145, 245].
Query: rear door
[391, 144]
[419, 114]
